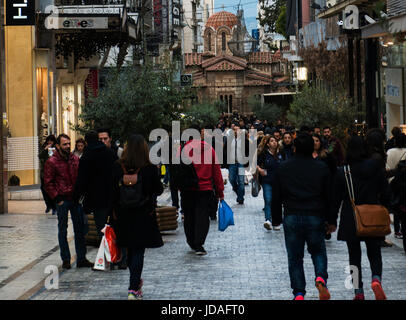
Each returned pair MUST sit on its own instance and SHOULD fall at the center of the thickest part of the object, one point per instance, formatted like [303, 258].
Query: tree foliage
[135, 100]
[270, 14]
[280, 25]
[318, 106]
[204, 114]
[269, 112]
[330, 66]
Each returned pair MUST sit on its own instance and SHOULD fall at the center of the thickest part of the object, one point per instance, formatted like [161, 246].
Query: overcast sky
[249, 6]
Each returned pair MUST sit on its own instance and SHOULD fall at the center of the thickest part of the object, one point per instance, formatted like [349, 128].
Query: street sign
[186, 80]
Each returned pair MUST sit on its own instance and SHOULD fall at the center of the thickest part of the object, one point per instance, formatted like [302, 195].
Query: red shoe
[359, 296]
[324, 294]
[377, 289]
[299, 297]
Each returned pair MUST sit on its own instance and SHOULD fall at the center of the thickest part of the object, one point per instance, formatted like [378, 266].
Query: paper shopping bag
[100, 263]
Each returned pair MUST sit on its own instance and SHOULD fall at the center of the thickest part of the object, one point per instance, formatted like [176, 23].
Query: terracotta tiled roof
[231, 59]
[192, 59]
[225, 66]
[264, 57]
[260, 57]
[222, 18]
[259, 76]
[279, 80]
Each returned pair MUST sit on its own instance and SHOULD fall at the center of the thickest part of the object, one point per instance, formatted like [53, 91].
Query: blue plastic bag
[226, 216]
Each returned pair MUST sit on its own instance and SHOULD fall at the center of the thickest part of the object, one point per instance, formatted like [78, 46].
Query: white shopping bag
[224, 173]
[100, 263]
[107, 254]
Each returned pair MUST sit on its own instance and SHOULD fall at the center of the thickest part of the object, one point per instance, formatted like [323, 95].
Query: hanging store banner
[176, 13]
[20, 12]
[158, 21]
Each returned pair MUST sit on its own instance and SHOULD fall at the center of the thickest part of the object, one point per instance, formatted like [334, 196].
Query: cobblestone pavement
[28, 243]
[244, 262]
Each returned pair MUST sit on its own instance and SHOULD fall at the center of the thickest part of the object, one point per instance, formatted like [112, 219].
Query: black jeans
[174, 197]
[135, 259]
[48, 201]
[195, 205]
[100, 219]
[396, 222]
[374, 257]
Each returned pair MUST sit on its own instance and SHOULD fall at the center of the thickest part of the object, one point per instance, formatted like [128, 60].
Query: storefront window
[42, 103]
[68, 110]
[397, 55]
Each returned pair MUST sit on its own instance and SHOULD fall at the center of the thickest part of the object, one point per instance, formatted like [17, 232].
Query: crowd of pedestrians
[300, 171]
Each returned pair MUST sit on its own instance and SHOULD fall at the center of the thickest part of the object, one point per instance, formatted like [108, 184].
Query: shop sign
[176, 13]
[78, 23]
[186, 80]
[158, 26]
[392, 91]
[20, 12]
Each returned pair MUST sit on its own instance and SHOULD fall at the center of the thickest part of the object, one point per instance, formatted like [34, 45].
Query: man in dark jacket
[333, 146]
[94, 181]
[60, 173]
[302, 185]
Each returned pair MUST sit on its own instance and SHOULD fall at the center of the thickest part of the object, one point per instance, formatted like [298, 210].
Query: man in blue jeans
[237, 148]
[60, 174]
[302, 185]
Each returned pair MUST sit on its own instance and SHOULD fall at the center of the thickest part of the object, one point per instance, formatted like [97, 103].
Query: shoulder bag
[371, 220]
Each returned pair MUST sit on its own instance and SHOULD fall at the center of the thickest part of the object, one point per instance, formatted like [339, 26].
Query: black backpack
[183, 176]
[131, 190]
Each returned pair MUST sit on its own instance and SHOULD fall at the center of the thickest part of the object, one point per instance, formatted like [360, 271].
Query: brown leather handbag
[371, 220]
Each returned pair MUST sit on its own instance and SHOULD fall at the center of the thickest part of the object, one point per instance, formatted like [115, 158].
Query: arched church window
[223, 41]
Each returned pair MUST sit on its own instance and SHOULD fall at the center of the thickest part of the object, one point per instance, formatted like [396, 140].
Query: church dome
[222, 18]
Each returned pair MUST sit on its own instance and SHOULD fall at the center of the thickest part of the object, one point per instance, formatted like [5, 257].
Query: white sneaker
[277, 228]
[267, 225]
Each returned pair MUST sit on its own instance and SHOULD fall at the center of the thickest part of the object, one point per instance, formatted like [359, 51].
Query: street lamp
[302, 74]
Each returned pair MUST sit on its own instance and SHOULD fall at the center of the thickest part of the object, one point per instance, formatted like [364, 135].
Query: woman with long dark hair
[320, 153]
[370, 187]
[136, 185]
[48, 149]
[268, 162]
[375, 146]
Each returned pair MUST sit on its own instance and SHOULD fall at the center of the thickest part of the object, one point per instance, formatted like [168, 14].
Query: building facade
[47, 76]
[196, 13]
[221, 75]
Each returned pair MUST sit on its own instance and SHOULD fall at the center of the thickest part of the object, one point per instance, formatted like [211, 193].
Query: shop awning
[339, 8]
[396, 24]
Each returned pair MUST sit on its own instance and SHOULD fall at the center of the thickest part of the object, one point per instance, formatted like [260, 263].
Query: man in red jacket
[60, 173]
[196, 203]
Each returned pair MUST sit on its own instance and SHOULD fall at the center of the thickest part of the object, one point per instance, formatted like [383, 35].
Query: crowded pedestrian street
[245, 262]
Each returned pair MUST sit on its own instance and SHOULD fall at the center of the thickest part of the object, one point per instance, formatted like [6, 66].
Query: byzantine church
[230, 69]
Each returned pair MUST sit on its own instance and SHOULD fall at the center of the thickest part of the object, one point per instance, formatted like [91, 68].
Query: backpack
[131, 190]
[184, 176]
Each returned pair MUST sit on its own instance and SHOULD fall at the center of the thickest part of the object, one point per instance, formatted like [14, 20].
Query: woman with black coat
[375, 140]
[48, 149]
[136, 228]
[370, 187]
